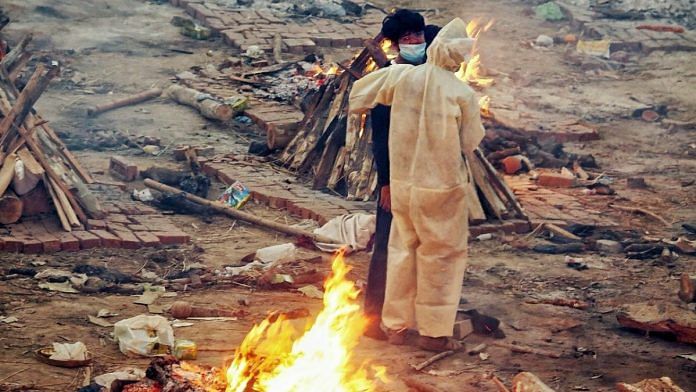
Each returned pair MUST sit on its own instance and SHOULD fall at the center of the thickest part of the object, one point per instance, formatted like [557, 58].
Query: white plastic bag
[141, 335]
[276, 253]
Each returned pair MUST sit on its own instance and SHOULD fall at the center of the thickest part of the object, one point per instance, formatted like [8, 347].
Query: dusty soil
[114, 48]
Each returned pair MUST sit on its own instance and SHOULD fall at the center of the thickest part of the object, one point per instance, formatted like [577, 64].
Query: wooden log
[376, 52]
[65, 203]
[7, 172]
[432, 360]
[37, 201]
[241, 215]
[501, 185]
[65, 221]
[30, 175]
[561, 232]
[331, 150]
[498, 155]
[279, 138]
[20, 64]
[10, 208]
[127, 101]
[209, 108]
[482, 181]
[23, 104]
[476, 213]
[10, 61]
[278, 49]
[35, 87]
[515, 348]
[337, 170]
[529, 382]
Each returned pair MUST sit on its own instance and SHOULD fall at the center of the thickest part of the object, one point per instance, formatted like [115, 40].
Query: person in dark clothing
[410, 36]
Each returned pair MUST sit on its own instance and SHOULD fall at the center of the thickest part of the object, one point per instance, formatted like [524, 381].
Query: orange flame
[270, 359]
[471, 71]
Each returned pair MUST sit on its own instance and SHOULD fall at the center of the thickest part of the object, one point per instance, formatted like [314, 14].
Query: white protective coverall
[434, 120]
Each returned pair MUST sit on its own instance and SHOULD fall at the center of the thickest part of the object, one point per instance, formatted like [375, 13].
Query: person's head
[406, 30]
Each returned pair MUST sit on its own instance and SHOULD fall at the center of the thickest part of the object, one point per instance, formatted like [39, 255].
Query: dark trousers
[377, 274]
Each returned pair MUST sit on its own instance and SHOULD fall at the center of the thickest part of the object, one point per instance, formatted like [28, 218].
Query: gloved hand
[385, 198]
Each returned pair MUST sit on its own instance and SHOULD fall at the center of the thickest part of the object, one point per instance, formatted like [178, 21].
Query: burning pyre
[277, 356]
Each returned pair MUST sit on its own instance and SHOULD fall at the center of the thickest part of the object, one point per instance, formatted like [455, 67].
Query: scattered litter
[485, 237]
[243, 120]
[282, 278]
[594, 48]
[353, 231]
[68, 355]
[8, 320]
[144, 335]
[526, 381]
[544, 41]
[130, 374]
[214, 318]
[150, 295]
[185, 350]
[236, 195]
[311, 291]
[145, 195]
[277, 253]
[690, 357]
[152, 150]
[106, 313]
[576, 263]
[99, 321]
[484, 356]
[64, 287]
[549, 11]
[181, 324]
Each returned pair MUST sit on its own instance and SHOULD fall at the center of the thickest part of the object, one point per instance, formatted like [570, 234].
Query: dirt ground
[112, 48]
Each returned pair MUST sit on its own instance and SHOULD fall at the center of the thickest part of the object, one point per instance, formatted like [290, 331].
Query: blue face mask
[414, 54]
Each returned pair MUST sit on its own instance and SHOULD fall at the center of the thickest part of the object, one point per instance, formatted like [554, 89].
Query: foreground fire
[272, 358]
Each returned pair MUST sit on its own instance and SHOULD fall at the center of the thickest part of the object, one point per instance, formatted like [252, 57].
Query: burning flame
[270, 359]
[471, 71]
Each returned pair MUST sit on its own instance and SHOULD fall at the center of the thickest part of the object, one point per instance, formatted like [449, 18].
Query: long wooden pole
[131, 100]
[241, 215]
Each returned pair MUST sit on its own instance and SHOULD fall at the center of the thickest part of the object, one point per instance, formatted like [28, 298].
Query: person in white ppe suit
[435, 124]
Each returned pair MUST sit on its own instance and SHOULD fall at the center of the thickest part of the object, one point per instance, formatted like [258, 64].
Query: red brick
[117, 227]
[128, 240]
[118, 218]
[556, 180]
[49, 242]
[108, 240]
[31, 246]
[68, 242]
[12, 244]
[232, 38]
[512, 164]
[137, 228]
[148, 239]
[123, 169]
[96, 224]
[172, 237]
[87, 240]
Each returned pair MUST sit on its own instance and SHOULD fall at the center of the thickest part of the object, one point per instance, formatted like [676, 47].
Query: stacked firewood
[36, 168]
[335, 148]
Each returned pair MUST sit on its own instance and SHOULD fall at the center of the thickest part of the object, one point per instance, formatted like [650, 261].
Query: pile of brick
[126, 226]
[244, 27]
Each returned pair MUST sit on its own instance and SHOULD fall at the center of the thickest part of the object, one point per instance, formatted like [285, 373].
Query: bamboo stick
[127, 101]
[241, 215]
[65, 204]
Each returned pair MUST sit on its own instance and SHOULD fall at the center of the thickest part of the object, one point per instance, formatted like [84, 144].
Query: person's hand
[385, 198]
